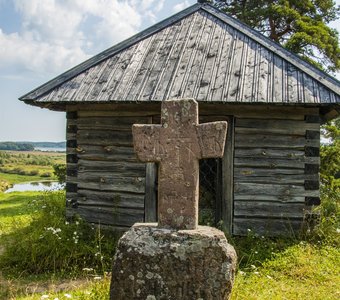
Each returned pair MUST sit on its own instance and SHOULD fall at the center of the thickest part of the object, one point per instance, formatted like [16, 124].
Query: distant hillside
[29, 146]
[49, 144]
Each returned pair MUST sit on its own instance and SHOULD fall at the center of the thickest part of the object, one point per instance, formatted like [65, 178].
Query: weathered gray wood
[270, 153]
[109, 123]
[272, 141]
[102, 137]
[110, 199]
[111, 216]
[109, 183]
[270, 198]
[115, 168]
[210, 72]
[268, 209]
[187, 60]
[272, 189]
[274, 162]
[172, 60]
[264, 76]
[270, 227]
[236, 69]
[228, 179]
[155, 75]
[151, 193]
[108, 152]
[274, 126]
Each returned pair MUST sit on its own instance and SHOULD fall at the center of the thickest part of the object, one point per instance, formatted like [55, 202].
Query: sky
[40, 39]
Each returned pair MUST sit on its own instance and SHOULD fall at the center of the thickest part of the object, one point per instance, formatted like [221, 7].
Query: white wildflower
[269, 277]
[252, 266]
[97, 278]
[88, 269]
[67, 296]
[44, 297]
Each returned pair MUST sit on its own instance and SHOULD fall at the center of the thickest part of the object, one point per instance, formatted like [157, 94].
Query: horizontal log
[101, 137]
[289, 127]
[110, 183]
[272, 189]
[110, 123]
[110, 199]
[273, 141]
[267, 227]
[114, 168]
[271, 163]
[71, 135]
[258, 111]
[268, 209]
[107, 152]
[254, 172]
[271, 153]
[110, 216]
[270, 198]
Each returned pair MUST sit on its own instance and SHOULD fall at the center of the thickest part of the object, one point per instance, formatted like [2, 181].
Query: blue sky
[39, 39]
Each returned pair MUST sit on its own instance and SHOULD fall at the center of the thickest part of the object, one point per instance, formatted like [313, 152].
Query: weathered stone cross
[177, 144]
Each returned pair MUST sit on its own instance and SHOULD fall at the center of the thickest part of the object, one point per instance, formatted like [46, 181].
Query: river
[37, 186]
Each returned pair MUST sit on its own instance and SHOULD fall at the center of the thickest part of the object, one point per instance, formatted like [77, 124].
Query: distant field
[24, 166]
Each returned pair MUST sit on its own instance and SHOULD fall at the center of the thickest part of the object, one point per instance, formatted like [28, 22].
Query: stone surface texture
[177, 144]
[158, 263]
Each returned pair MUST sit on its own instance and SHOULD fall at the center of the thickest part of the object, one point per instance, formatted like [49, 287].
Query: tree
[298, 25]
[330, 156]
[60, 172]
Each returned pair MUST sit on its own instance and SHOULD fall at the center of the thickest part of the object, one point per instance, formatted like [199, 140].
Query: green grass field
[269, 269]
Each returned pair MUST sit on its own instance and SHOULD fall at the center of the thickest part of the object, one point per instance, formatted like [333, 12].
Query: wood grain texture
[203, 56]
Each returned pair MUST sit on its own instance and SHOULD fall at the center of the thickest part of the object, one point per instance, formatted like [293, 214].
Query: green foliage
[60, 172]
[300, 26]
[51, 244]
[16, 146]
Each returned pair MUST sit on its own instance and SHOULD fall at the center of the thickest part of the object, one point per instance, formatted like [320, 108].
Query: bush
[60, 172]
[33, 173]
[46, 174]
[51, 244]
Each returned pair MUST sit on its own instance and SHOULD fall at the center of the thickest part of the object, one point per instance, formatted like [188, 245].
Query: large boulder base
[155, 263]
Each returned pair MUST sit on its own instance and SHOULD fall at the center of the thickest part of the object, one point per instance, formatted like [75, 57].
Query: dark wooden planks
[275, 170]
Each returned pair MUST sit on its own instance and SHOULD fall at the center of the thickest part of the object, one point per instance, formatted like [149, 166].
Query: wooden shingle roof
[199, 53]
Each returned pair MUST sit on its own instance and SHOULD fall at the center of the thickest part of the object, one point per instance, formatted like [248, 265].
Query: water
[49, 149]
[37, 186]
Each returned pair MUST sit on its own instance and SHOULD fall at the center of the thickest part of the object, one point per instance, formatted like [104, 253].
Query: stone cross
[177, 144]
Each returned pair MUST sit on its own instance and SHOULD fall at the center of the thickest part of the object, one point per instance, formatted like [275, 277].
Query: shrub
[33, 173]
[46, 174]
[51, 244]
[60, 172]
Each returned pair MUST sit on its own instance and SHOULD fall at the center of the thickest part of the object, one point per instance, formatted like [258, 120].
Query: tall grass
[52, 244]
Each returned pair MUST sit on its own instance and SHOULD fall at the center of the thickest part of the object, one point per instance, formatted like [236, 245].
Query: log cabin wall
[110, 181]
[276, 165]
[270, 173]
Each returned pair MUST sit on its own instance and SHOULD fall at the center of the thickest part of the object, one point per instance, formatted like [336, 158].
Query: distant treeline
[29, 146]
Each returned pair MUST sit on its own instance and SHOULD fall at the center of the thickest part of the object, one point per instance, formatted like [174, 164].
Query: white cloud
[180, 6]
[57, 34]
[20, 54]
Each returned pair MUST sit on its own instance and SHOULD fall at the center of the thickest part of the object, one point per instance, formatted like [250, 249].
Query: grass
[269, 268]
[22, 166]
[16, 210]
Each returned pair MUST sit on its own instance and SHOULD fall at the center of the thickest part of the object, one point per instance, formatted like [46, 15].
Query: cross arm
[211, 138]
[146, 142]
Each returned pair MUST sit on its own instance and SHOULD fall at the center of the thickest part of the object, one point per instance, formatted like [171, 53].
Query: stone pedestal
[157, 263]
